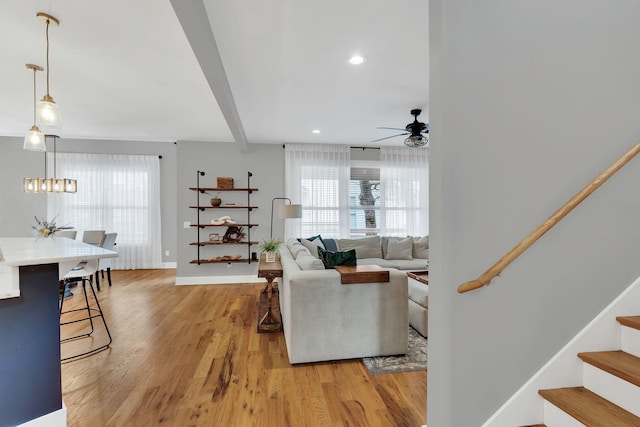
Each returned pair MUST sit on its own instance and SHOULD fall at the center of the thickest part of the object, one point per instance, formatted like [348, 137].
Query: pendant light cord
[47, 33]
[34, 96]
[55, 167]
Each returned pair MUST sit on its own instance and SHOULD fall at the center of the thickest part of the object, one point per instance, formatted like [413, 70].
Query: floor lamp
[285, 211]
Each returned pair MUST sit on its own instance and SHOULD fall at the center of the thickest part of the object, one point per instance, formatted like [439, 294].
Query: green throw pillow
[331, 259]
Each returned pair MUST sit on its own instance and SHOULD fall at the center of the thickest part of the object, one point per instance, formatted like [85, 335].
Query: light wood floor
[190, 356]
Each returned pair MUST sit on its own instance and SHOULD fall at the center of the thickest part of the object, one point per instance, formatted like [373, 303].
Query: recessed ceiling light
[356, 60]
[315, 131]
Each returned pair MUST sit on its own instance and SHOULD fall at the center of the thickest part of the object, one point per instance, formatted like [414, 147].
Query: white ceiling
[129, 72]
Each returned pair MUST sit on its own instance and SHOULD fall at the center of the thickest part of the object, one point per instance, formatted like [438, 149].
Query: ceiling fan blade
[392, 128]
[387, 137]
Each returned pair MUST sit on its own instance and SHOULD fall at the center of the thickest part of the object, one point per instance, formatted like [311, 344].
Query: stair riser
[555, 417]
[612, 388]
[631, 341]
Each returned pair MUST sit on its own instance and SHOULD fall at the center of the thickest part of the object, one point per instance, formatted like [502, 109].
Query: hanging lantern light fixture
[48, 112]
[34, 140]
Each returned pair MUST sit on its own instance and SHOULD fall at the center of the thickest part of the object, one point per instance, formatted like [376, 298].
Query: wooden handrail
[524, 244]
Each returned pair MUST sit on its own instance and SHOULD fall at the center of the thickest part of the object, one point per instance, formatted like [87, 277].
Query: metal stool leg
[89, 317]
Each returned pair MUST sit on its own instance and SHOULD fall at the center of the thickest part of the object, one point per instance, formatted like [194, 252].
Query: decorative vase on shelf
[216, 201]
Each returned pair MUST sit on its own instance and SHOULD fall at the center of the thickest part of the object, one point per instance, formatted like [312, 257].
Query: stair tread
[630, 321]
[618, 363]
[589, 408]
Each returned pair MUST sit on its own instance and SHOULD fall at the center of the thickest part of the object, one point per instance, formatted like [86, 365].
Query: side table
[269, 319]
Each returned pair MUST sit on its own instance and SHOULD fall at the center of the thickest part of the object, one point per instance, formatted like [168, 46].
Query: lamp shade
[34, 140]
[290, 211]
[48, 113]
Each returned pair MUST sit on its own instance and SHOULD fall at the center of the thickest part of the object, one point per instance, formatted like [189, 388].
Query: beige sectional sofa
[326, 320]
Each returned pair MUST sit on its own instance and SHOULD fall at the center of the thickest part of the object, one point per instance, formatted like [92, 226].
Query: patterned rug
[414, 360]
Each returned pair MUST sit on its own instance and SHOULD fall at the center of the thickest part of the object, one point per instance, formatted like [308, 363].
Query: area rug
[414, 360]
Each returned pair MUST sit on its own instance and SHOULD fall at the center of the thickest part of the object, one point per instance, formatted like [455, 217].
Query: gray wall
[266, 162]
[18, 208]
[528, 102]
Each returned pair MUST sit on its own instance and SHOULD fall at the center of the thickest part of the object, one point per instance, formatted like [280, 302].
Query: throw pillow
[400, 249]
[295, 248]
[331, 259]
[311, 245]
[421, 247]
[366, 247]
[306, 262]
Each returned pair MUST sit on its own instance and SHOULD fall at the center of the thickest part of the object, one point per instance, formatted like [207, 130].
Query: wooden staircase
[610, 395]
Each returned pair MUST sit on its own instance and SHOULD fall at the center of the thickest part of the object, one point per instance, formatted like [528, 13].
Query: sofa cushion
[312, 245]
[331, 259]
[419, 293]
[416, 264]
[421, 247]
[308, 262]
[377, 261]
[366, 247]
[399, 248]
[295, 247]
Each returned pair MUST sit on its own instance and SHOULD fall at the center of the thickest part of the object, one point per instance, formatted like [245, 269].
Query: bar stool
[85, 274]
[105, 264]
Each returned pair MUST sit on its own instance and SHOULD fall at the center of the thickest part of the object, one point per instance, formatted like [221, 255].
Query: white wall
[529, 102]
[17, 208]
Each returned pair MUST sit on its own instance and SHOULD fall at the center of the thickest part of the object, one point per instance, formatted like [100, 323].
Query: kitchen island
[30, 270]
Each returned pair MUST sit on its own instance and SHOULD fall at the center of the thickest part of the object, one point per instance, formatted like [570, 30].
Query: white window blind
[116, 193]
[404, 200]
[317, 176]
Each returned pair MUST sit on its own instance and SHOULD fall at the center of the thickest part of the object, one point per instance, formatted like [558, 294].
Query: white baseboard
[53, 419]
[218, 280]
[169, 265]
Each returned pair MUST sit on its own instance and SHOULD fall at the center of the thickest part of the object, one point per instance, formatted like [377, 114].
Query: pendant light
[48, 113]
[50, 185]
[34, 140]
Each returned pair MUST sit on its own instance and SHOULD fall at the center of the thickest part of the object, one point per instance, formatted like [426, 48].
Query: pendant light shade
[48, 112]
[34, 140]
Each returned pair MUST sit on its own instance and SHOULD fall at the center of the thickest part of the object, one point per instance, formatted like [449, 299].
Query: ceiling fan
[418, 132]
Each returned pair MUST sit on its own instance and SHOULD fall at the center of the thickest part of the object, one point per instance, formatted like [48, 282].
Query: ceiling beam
[195, 24]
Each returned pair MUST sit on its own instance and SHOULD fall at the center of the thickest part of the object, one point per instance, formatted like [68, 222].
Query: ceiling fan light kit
[418, 132]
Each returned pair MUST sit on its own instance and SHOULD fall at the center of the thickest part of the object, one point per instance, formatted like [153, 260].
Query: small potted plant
[269, 247]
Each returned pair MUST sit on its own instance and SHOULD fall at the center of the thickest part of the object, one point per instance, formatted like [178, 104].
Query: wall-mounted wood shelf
[206, 261]
[204, 189]
[223, 207]
[208, 243]
[223, 225]
[248, 207]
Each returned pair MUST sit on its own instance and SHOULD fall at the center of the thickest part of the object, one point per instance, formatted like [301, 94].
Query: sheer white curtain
[404, 199]
[116, 193]
[317, 176]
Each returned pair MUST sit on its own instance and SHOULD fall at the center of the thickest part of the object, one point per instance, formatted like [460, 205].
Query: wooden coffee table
[362, 274]
[269, 319]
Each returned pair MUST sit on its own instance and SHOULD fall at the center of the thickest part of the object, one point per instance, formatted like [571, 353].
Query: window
[116, 193]
[349, 199]
[364, 200]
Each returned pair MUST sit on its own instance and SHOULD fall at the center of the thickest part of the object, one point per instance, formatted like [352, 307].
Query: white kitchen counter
[21, 251]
